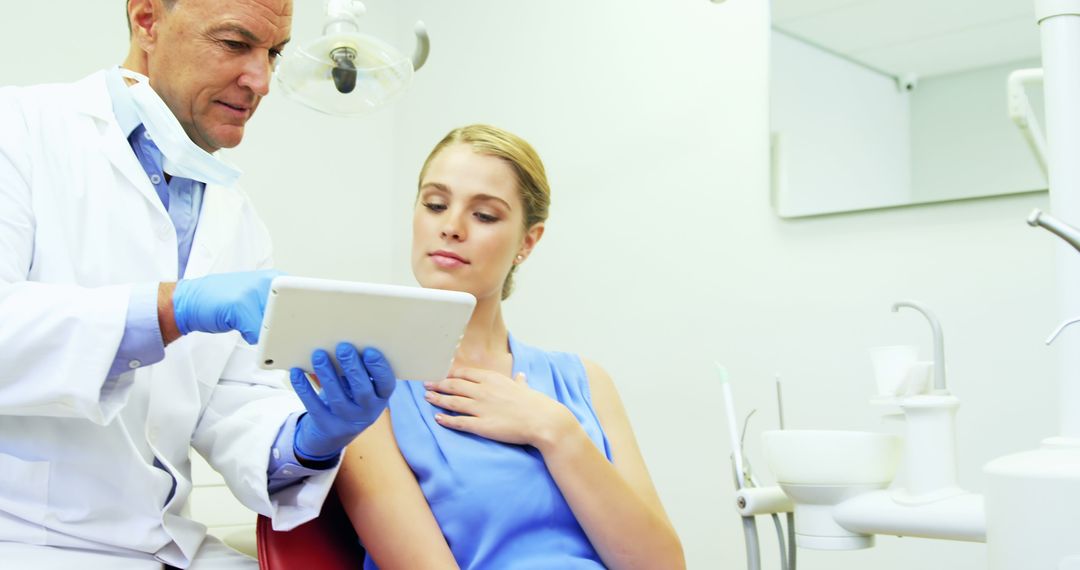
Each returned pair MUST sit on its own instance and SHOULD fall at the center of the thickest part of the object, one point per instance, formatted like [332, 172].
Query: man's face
[211, 62]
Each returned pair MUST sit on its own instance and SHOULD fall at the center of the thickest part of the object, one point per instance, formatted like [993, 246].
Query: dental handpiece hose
[733, 431]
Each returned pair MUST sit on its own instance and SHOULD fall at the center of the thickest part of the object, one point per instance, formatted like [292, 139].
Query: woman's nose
[451, 232]
[453, 229]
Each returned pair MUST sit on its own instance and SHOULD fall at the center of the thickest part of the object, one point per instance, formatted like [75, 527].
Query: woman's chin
[443, 283]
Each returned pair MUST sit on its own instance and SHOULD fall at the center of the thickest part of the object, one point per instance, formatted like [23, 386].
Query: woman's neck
[485, 342]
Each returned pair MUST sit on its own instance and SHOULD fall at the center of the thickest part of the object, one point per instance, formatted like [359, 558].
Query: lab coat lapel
[123, 159]
[98, 104]
[218, 220]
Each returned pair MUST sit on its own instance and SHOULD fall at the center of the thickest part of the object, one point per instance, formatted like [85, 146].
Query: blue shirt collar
[123, 105]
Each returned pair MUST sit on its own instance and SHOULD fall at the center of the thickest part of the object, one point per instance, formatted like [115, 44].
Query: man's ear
[143, 16]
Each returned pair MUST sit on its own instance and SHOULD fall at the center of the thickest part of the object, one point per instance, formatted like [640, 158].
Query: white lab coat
[79, 223]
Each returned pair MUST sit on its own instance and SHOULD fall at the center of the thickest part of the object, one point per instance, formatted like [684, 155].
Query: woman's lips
[447, 259]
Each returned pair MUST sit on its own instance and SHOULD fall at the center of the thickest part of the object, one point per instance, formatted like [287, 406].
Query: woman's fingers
[460, 423]
[454, 387]
[457, 404]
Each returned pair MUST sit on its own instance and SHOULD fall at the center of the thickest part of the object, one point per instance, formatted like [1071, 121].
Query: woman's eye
[435, 207]
[486, 218]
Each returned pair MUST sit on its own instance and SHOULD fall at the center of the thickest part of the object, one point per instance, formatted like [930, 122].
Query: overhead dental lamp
[347, 73]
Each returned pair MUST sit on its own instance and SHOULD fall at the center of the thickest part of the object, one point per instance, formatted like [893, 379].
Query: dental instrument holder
[751, 500]
[930, 445]
[929, 449]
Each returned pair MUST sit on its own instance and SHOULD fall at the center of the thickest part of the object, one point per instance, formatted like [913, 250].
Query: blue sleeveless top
[496, 503]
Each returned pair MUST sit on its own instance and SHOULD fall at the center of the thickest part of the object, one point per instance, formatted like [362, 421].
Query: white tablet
[416, 329]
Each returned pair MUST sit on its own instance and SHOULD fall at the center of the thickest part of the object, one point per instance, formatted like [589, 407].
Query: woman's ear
[532, 237]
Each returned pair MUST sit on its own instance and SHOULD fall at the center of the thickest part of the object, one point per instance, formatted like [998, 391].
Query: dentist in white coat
[133, 276]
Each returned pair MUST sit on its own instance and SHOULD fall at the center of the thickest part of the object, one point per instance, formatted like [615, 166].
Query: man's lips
[236, 107]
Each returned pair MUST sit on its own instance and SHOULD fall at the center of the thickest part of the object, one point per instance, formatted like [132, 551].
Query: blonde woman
[522, 458]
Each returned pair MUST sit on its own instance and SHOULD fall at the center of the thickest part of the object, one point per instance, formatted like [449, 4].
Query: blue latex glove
[346, 406]
[223, 302]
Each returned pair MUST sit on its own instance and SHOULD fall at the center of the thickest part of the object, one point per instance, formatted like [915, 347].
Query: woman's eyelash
[483, 217]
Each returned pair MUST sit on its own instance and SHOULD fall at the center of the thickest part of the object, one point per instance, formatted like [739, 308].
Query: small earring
[520, 258]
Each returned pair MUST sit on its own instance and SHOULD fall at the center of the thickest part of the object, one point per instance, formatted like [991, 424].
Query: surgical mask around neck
[181, 157]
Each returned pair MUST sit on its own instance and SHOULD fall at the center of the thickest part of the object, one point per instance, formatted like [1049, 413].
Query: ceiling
[925, 37]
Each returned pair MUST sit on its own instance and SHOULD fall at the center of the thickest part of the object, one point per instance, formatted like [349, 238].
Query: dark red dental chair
[325, 543]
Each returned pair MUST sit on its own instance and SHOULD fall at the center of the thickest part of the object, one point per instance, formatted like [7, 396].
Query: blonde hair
[520, 155]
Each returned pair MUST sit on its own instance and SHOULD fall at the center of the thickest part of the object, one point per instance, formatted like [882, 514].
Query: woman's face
[467, 224]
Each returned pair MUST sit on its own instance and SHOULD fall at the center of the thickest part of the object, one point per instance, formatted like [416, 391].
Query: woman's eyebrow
[436, 186]
[440, 187]
[490, 198]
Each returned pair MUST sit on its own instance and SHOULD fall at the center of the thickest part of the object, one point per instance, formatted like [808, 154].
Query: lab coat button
[155, 179]
[133, 364]
[146, 135]
[286, 471]
[277, 453]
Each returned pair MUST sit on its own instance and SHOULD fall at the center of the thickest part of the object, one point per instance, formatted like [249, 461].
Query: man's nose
[256, 75]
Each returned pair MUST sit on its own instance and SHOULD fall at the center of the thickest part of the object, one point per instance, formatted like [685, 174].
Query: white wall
[663, 253]
[842, 133]
[41, 47]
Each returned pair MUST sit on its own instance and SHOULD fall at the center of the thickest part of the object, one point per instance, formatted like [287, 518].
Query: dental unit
[841, 485]
[834, 485]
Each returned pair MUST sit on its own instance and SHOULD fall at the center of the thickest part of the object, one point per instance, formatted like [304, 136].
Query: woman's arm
[385, 504]
[616, 503]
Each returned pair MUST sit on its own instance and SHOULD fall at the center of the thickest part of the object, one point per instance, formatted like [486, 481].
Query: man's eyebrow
[237, 29]
[246, 33]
